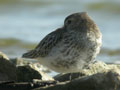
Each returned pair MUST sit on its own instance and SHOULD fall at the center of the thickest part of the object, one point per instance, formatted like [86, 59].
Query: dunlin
[69, 48]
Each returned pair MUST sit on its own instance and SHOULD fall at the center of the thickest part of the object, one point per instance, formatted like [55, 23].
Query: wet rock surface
[94, 68]
[23, 62]
[17, 74]
[29, 72]
[101, 81]
[7, 69]
[19, 61]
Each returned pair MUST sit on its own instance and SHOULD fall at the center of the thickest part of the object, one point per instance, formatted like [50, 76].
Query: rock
[29, 72]
[42, 68]
[23, 62]
[109, 80]
[68, 76]
[7, 69]
[19, 61]
[98, 76]
[2, 55]
[24, 85]
[96, 67]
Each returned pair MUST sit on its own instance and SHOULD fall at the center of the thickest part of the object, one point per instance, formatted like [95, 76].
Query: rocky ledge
[17, 74]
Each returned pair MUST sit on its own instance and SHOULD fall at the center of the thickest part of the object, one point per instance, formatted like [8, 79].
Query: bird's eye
[69, 21]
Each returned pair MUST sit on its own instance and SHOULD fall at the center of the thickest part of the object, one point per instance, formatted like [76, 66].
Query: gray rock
[97, 67]
[24, 85]
[19, 61]
[23, 62]
[99, 76]
[2, 55]
[109, 80]
[7, 69]
[29, 72]
[68, 76]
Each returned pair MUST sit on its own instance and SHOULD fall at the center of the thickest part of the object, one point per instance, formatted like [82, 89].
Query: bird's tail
[30, 54]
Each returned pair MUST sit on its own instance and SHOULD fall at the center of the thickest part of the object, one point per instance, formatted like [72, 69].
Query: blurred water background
[23, 23]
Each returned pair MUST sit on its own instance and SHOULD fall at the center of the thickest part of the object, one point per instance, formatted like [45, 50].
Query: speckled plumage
[70, 48]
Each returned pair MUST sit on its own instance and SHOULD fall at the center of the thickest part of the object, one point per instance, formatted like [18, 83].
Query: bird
[71, 47]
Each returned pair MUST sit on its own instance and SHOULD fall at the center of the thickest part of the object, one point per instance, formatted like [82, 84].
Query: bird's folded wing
[45, 46]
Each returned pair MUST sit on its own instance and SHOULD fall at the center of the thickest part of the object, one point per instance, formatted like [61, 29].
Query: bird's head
[78, 21]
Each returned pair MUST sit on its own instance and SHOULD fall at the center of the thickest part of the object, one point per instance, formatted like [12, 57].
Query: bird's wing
[45, 46]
